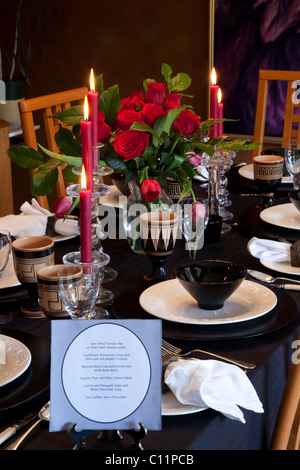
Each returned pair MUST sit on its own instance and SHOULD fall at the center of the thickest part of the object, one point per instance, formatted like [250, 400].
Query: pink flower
[150, 189]
[156, 93]
[62, 206]
[194, 160]
[198, 211]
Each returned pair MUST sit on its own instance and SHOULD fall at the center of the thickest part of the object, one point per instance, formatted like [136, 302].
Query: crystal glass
[99, 260]
[78, 289]
[292, 163]
[193, 220]
[5, 252]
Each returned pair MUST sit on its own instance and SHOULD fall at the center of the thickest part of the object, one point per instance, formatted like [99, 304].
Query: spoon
[44, 415]
[270, 280]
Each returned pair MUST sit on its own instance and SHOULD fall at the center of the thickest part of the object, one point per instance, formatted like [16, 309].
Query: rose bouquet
[150, 135]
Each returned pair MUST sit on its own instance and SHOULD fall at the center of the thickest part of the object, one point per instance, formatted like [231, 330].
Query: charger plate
[126, 305]
[169, 300]
[283, 215]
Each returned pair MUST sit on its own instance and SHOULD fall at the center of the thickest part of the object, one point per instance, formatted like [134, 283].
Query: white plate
[283, 215]
[168, 300]
[282, 267]
[62, 238]
[9, 278]
[247, 172]
[113, 198]
[170, 406]
[18, 359]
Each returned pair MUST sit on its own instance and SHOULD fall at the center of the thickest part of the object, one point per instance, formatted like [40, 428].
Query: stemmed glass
[5, 251]
[292, 163]
[193, 220]
[78, 290]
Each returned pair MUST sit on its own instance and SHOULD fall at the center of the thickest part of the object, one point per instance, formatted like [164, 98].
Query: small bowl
[210, 282]
[295, 199]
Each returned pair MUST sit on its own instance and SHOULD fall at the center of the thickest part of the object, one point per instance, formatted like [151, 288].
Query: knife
[11, 430]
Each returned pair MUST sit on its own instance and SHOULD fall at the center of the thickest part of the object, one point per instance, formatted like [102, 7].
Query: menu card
[105, 374]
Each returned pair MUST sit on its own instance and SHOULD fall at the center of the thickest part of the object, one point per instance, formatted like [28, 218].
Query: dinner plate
[282, 267]
[170, 406]
[113, 198]
[168, 300]
[18, 359]
[9, 278]
[283, 215]
[247, 172]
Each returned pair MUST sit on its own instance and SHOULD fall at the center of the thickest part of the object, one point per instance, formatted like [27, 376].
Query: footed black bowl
[295, 199]
[210, 282]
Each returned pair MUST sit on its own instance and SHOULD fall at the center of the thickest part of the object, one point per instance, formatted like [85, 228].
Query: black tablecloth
[209, 430]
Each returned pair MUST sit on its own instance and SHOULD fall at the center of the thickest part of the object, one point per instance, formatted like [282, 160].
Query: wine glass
[292, 163]
[78, 289]
[5, 251]
[193, 220]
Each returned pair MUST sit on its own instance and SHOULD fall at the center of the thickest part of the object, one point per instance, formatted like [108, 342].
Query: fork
[167, 349]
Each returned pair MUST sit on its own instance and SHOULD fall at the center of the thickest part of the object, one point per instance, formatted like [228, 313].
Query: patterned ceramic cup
[48, 290]
[29, 255]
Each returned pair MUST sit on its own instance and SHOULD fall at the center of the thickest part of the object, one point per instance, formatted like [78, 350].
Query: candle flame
[219, 95]
[83, 178]
[86, 109]
[92, 80]
[213, 76]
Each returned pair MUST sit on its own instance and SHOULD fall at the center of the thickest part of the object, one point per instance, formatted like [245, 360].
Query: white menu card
[105, 374]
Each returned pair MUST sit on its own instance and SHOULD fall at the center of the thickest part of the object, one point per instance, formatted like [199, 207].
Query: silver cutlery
[11, 430]
[44, 415]
[168, 350]
[273, 280]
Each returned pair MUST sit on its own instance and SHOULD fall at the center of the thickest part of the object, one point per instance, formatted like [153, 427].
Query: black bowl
[210, 282]
[295, 199]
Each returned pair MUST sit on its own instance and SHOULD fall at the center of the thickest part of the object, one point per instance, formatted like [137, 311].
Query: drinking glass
[292, 163]
[268, 173]
[5, 251]
[193, 220]
[78, 289]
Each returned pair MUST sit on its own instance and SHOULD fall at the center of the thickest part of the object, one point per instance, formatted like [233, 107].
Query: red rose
[131, 144]
[187, 123]
[156, 93]
[151, 112]
[173, 101]
[126, 118]
[134, 101]
[150, 189]
[103, 129]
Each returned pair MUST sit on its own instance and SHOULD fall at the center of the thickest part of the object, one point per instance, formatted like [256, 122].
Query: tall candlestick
[86, 142]
[214, 103]
[93, 117]
[220, 112]
[85, 221]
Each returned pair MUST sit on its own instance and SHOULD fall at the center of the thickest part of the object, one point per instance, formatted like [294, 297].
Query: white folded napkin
[212, 384]
[269, 249]
[33, 221]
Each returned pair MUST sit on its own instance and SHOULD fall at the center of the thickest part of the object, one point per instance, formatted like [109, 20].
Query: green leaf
[99, 85]
[44, 180]
[115, 161]
[145, 83]
[69, 175]
[71, 116]
[180, 82]
[75, 161]
[66, 143]
[171, 116]
[110, 103]
[186, 190]
[177, 161]
[138, 126]
[25, 157]
[167, 72]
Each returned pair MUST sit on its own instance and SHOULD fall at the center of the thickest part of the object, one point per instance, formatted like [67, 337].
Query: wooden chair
[286, 434]
[291, 119]
[48, 105]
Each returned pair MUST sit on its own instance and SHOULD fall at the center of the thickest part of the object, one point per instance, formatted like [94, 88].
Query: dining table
[266, 341]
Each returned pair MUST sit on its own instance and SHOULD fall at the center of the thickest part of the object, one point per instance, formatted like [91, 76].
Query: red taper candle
[93, 117]
[220, 112]
[213, 103]
[85, 196]
[86, 143]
